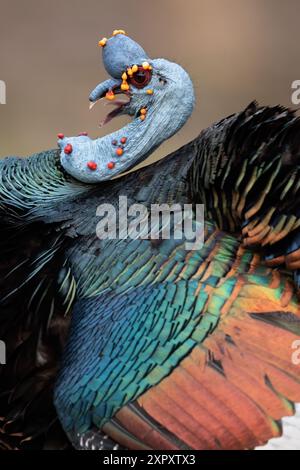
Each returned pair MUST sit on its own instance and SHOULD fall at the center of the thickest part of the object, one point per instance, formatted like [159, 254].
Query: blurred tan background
[234, 50]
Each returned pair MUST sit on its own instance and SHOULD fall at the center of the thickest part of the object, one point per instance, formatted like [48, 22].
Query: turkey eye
[141, 78]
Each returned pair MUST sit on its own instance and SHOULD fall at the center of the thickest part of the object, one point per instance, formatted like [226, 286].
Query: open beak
[109, 89]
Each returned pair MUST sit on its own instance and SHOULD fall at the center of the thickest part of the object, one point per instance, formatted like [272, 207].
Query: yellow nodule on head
[110, 95]
[124, 86]
[118, 31]
[103, 42]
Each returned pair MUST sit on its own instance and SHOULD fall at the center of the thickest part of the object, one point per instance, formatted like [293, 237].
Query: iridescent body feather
[191, 347]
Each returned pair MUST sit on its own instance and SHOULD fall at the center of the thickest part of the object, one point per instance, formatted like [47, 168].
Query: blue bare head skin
[158, 95]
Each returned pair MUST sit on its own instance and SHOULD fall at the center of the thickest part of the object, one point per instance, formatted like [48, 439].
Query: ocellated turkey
[142, 343]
